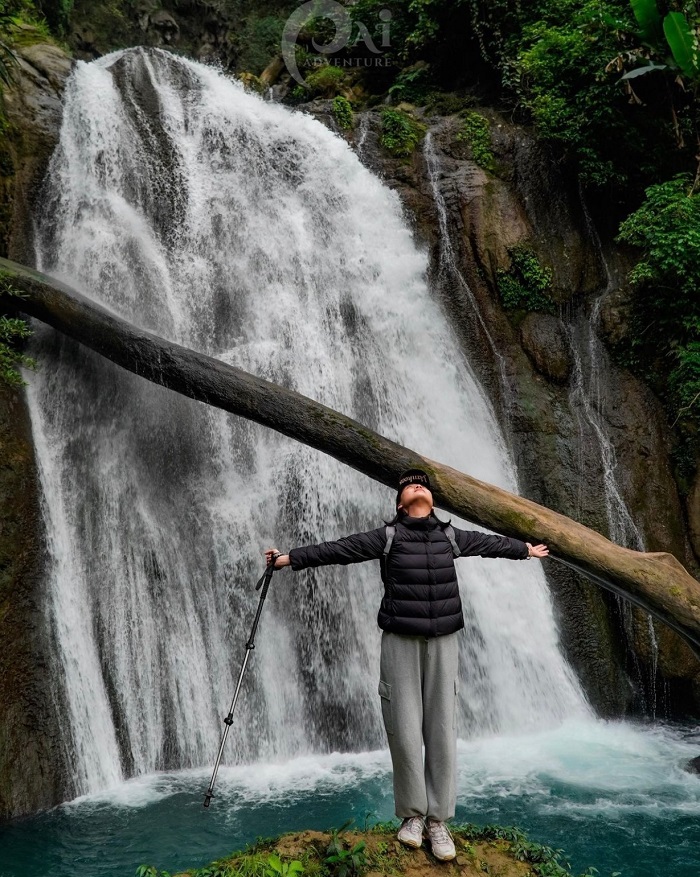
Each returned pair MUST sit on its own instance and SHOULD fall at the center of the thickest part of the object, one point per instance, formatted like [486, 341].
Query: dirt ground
[387, 856]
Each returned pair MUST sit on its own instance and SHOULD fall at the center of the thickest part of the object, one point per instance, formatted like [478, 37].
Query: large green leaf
[649, 20]
[683, 43]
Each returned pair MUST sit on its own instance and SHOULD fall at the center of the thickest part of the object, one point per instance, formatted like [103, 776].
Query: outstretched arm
[349, 549]
[474, 542]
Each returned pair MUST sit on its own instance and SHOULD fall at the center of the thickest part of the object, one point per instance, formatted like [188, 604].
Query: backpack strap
[450, 533]
[390, 531]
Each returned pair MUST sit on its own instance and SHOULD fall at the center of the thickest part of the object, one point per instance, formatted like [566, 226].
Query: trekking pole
[249, 646]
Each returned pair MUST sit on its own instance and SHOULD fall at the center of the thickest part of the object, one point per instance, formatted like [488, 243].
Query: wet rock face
[32, 767]
[33, 111]
[543, 339]
[30, 758]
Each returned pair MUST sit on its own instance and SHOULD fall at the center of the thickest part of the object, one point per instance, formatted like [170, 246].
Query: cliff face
[32, 763]
[589, 440]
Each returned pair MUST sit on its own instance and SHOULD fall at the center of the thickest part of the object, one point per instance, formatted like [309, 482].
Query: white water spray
[237, 227]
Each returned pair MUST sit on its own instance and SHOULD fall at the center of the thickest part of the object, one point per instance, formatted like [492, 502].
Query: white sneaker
[440, 840]
[411, 831]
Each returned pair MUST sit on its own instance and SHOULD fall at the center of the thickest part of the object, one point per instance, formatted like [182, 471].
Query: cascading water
[237, 227]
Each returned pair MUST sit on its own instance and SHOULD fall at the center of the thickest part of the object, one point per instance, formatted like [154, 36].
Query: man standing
[420, 617]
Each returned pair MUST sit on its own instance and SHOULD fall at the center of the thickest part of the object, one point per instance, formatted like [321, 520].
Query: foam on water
[623, 765]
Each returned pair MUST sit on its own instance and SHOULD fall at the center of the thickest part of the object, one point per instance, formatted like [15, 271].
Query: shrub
[326, 80]
[663, 341]
[476, 132]
[526, 284]
[400, 133]
[342, 112]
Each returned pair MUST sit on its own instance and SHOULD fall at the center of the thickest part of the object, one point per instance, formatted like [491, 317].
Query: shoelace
[439, 832]
[415, 823]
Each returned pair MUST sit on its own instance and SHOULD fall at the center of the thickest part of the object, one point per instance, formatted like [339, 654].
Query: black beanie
[412, 476]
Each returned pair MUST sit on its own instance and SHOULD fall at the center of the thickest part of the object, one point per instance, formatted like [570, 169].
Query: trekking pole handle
[264, 583]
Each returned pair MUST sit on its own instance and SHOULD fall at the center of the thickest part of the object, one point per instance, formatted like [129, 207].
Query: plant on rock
[13, 331]
[664, 339]
[526, 284]
[476, 132]
[400, 133]
[342, 112]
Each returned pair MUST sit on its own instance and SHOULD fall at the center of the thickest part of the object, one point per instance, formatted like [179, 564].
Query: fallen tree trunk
[656, 581]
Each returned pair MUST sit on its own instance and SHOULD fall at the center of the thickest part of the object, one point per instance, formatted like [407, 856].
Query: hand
[282, 559]
[539, 550]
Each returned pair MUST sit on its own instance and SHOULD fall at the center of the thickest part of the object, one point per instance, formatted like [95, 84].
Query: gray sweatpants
[418, 689]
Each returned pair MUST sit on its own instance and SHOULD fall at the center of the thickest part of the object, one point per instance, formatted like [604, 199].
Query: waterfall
[242, 229]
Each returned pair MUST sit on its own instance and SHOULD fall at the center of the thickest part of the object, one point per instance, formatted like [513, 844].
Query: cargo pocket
[456, 701]
[385, 694]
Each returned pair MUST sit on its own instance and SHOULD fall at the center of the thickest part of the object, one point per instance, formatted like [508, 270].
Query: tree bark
[656, 581]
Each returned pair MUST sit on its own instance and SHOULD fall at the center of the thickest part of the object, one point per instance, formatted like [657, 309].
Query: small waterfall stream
[452, 278]
[587, 401]
[242, 229]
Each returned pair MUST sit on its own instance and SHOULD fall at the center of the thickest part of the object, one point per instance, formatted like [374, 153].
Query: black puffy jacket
[421, 594]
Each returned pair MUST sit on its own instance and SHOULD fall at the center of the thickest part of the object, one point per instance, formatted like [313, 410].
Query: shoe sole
[411, 844]
[445, 858]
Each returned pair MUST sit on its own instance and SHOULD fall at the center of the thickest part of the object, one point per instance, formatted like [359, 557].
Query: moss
[31, 33]
[476, 133]
[326, 81]
[401, 133]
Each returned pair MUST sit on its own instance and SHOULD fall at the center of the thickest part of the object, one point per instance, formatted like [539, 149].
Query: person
[420, 617]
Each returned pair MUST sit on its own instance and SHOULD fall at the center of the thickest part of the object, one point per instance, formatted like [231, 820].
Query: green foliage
[413, 84]
[150, 871]
[557, 69]
[13, 331]
[543, 860]
[664, 343]
[476, 132]
[526, 284]
[400, 133]
[344, 861]
[649, 20]
[683, 43]
[49, 16]
[8, 59]
[259, 42]
[342, 112]
[278, 868]
[56, 12]
[326, 80]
